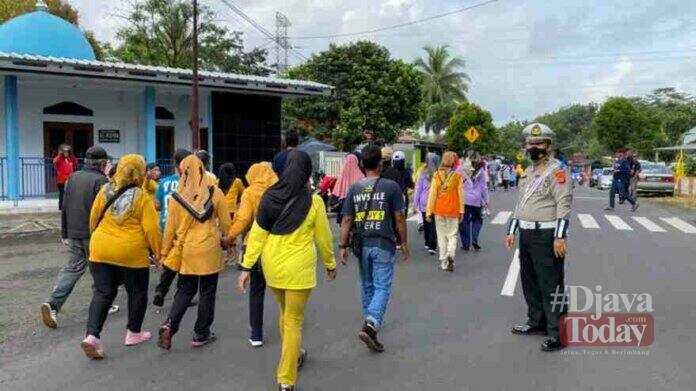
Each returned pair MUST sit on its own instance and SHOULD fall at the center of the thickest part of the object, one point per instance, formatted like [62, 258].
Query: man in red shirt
[65, 164]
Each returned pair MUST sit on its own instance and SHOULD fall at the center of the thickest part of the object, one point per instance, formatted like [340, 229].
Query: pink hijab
[350, 173]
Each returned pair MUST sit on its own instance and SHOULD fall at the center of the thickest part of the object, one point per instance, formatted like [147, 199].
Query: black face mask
[536, 153]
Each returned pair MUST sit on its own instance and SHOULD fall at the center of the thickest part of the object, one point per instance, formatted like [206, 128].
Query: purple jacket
[420, 199]
[476, 190]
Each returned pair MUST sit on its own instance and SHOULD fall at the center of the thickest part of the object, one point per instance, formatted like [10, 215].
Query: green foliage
[510, 139]
[568, 123]
[618, 123]
[444, 85]
[372, 92]
[690, 166]
[466, 116]
[160, 32]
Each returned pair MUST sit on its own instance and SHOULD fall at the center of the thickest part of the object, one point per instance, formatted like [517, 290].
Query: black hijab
[275, 214]
[226, 176]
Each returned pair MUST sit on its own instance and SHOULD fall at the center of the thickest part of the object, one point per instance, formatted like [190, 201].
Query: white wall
[115, 106]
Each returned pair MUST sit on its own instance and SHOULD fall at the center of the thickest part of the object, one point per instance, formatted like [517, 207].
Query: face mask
[536, 153]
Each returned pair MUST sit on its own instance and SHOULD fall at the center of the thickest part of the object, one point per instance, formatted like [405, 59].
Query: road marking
[679, 224]
[587, 221]
[648, 224]
[618, 223]
[502, 217]
[512, 275]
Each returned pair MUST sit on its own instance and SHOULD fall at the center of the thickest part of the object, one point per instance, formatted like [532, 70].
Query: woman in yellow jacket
[288, 223]
[231, 186]
[446, 203]
[191, 246]
[260, 177]
[125, 230]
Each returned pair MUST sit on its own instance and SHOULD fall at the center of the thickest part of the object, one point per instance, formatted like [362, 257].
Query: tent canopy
[313, 145]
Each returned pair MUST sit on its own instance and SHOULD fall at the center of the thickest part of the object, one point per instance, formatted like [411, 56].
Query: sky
[524, 57]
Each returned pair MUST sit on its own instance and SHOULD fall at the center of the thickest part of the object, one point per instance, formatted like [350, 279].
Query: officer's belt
[524, 224]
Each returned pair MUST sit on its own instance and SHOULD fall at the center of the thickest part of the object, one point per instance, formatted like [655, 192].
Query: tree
[159, 32]
[372, 92]
[466, 116]
[619, 123]
[568, 122]
[444, 85]
[60, 8]
[510, 139]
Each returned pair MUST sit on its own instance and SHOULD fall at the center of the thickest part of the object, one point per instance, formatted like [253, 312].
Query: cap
[96, 152]
[387, 153]
[399, 155]
[538, 132]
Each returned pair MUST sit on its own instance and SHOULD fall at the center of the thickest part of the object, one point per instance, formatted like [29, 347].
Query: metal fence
[331, 162]
[3, 178]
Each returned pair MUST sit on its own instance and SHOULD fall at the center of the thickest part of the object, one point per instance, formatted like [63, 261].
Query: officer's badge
[560, 176]
[536, 130]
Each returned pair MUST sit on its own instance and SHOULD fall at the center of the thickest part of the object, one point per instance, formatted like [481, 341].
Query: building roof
[15, 63]
[40, 33]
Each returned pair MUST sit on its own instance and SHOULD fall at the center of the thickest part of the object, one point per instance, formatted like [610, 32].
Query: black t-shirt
[387, 199]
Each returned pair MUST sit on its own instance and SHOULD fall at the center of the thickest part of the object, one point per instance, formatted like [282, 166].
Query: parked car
[594, 178]
[655, 178]
[605, 179]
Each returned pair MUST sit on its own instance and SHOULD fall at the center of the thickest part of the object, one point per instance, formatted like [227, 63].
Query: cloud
[524, 57]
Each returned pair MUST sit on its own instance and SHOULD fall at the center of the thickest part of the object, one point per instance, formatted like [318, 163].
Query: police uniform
[542, 215]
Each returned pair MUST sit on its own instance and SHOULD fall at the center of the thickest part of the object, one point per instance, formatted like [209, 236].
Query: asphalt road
[443, 331]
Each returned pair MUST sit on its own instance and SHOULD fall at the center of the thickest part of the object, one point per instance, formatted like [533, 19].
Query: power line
[438, 16]
[258, 27]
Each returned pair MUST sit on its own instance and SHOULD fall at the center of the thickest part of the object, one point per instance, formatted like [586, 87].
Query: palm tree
[443, 77]
[444, 85]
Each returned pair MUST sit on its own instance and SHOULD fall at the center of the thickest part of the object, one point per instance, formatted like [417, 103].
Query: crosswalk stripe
[502, 217]
[679, 224]
[648, 224]
[587, 221]
[513, 273]
[618, 223]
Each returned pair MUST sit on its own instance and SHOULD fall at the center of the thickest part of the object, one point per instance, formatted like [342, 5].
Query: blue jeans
[470, 228]
[620, 185]
[376, 276]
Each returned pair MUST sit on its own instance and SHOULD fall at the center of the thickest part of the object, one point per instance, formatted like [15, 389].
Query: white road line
[587, 221]
[679, 224]
[618, 223]
[502, 217]
[512, 275]
[648, 224]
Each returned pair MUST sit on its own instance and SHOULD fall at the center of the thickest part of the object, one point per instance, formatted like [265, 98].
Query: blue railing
[3, 178]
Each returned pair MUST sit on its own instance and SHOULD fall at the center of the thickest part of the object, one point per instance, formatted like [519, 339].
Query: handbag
[357, 232]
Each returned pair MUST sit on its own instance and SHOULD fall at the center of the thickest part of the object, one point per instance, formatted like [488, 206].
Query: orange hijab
[193, 190]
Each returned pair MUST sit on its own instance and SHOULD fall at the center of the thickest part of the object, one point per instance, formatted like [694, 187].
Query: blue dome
[43, 34]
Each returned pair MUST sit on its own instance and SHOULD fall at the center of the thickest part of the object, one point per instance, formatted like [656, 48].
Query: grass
[688, 203]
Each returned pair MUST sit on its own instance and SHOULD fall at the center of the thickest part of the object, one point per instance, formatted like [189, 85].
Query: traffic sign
[471, 134]
[520, 156]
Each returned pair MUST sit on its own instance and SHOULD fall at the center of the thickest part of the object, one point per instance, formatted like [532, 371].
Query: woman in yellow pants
[288, 223]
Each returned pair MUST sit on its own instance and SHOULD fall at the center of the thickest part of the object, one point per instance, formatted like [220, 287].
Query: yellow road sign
[520, 156]
[471, 134]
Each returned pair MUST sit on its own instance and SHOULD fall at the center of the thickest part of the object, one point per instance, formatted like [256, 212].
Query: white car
[605, 179]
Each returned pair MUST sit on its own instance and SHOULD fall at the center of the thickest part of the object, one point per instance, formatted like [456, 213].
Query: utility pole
[195, 131]
[281, 38]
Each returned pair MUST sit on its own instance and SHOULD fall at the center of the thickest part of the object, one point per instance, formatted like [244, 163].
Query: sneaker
[432, 252]
[92, 347]
[48, 315]
[255, 343]
[443, 264]
[476, 246]
[158, 300]
[368, 335]
[199, 340]
[165, 336]
[608, 208]
[450, 264]
[302, 358]
[465, 248]
[635, 207]
[551, 345]
[133, 339]
[285, 387]
[193, 302]
[113, 309]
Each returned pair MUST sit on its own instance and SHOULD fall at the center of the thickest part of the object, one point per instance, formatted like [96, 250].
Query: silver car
[605, 179]
[655, 178]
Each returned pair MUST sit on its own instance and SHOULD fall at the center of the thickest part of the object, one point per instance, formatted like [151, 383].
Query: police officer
[541, 217]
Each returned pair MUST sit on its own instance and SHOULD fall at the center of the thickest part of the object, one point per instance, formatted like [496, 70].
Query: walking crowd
[191, 224]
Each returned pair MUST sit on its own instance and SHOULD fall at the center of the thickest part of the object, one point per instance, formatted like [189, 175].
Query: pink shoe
[137, 338]
[92, 347]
